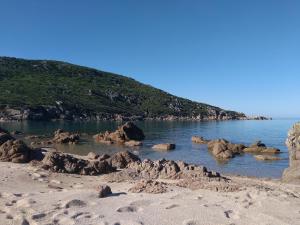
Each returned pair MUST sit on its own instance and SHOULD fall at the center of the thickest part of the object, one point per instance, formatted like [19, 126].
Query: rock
[199, 140]
[149, 186]
[92, 156]
[128, 132]
[122, 159]
[292, 173]
[259, 147]
[16, 132]
[223, 149]
[63, 137]
[164, 147]
[4, 137]
[104, 191]
[133, 143]
[65, 163]
[266, 157]
[15, 151]
[168, 169]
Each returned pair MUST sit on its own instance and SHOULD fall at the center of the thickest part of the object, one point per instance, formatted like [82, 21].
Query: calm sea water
[272, 132]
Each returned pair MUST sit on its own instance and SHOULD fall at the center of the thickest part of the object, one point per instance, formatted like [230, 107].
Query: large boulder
[223, 149]
[65, 163]
[125, 133]
[15, 151]
[63, 137]
[259, 147]
[292, 174]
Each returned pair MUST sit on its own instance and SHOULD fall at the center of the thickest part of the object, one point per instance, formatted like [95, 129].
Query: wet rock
[133, 143]
[164, 147]
[259, 147]
[15, 151]
[266, 157]
[63, 137]
[65, 163]
[104, 191]
[199, 140]
[128, 132]
[122, 159]
[149, 186]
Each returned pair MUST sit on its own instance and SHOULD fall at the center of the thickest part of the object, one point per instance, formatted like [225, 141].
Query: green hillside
[85, 92]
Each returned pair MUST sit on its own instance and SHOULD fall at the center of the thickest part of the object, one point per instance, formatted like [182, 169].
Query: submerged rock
[128, 132]
[63, 137]
[164, 147]
[266, 157]
[199, 140]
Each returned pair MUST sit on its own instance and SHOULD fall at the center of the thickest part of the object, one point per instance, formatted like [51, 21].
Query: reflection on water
[272, 133]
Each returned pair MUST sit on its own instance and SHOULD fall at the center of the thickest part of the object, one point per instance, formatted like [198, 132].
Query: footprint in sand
[26, 203]
[74, 203]
[172, 206]
[127, 209]
[190, 222]
[230, 214]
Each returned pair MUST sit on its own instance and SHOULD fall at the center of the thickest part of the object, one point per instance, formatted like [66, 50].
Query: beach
[30, 195]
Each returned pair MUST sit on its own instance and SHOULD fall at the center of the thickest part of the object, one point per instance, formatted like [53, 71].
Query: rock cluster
[63, 137]
[223, 149]
[128, 134]
[149, 186]
[168, 169]
[259, 147]
[292, 174]
[65, 163]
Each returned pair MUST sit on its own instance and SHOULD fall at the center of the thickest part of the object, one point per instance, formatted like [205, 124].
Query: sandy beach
[30, 195]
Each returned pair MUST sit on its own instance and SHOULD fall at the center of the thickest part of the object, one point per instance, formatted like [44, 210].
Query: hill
[46, 89]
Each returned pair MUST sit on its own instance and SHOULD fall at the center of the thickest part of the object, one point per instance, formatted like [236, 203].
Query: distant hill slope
[44, 89]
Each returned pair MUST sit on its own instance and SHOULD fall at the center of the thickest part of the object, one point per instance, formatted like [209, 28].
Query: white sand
[25, 194]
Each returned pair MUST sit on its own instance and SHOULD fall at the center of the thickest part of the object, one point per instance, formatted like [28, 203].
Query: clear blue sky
[240, 55]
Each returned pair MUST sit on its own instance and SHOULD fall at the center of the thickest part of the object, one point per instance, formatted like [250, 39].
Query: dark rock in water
[128, 132]
[16, 132]
[292, 174]
[223, 149]
[63, 137]
[266, 157]
[15, 151]
[104, 191]
[65, 163]
[122, 159]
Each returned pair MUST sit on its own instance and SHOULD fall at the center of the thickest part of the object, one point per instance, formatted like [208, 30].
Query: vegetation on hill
[86, 91]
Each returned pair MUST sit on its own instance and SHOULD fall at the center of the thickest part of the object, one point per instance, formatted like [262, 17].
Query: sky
[235, 54]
